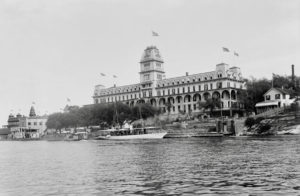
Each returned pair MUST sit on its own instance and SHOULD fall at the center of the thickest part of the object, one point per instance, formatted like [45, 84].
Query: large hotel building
[178, 94]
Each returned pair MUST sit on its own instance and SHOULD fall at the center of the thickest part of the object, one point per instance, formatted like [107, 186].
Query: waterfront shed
[4, 132]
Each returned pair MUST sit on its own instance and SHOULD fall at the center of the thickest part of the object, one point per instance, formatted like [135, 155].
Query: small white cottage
[274, 98]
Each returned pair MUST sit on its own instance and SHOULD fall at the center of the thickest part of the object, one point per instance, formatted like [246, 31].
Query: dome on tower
[151, 53]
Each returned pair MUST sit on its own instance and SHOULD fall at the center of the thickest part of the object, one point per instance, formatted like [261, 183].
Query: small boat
[100, 137]
[138, 133]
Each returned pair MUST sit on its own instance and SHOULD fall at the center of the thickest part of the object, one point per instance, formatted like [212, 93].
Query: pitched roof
[283, 91]
[280, 90]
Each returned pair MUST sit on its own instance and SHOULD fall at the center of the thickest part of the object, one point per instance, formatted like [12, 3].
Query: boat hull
[140, 136]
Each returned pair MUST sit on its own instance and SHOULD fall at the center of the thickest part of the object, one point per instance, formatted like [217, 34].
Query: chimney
[186, 73]
[293, 76]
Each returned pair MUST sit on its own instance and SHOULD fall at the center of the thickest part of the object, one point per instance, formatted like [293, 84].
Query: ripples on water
[189, 166]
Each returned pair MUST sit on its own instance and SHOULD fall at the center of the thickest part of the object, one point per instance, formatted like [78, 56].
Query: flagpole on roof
[224, 49]
[235, 57]
[114, 80]
[154, 34]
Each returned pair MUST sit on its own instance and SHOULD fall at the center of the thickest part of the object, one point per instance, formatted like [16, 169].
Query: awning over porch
[267, 103]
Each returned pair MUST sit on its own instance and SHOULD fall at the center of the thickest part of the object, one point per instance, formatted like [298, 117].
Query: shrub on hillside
[249, 122]
[259, 119]
[264, 128]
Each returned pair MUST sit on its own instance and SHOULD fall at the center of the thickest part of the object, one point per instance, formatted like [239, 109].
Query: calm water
[190, 166]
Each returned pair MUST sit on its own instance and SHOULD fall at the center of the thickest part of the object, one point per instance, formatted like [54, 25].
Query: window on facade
[144, 94]
[35, 123]
[158, 93]
[211, 86]
[277, 96]
[159, 76]
[158, 65]
[188, 89]
[268, 97]
[135, 96]
[283, 96]
[146, 66]
[29, 123]
[205, 87]
[228, 84]
[199, 87]
[173, 91]
[220, 85]
[150, 93]
[205, 78]
[163, 92]
[168, 91]
[178, 90]
[211, 77]
[147, 77]
[195, 107]
[183, 90]
[194, 89]
[41, 123]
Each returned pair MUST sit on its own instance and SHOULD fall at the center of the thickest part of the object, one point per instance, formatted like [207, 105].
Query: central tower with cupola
[151, 68]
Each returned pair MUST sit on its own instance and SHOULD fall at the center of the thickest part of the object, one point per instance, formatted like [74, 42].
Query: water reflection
[232, 166]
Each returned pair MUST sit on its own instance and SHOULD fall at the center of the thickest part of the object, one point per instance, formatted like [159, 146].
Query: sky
[54, 50]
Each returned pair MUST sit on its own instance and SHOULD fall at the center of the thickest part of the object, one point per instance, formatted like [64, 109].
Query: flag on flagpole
[114, 76]
[225, 49]
[33, 102]
[102, 74]
[235, 53]
[68, 100]
[154, 34]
